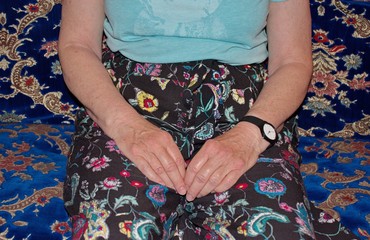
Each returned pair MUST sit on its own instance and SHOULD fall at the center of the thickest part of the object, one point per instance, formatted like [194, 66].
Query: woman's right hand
[152, 150]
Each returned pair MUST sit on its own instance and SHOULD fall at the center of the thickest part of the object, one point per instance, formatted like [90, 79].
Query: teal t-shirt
[169, 31]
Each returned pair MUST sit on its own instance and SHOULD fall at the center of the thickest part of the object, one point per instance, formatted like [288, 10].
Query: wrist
[112, 120]
[253, 135]
[267, 130]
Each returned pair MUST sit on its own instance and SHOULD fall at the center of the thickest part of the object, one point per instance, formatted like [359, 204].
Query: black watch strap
[261, 124]
[255, 120]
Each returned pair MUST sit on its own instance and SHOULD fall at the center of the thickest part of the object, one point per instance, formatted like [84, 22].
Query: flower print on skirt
[109, 198]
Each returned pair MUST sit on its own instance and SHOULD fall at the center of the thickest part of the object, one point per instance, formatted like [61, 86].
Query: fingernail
[182, 191]
[189, 197]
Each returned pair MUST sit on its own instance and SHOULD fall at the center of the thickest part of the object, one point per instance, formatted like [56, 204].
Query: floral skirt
[107, 197]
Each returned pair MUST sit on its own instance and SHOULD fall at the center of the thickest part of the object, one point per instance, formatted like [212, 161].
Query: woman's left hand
[223, 160]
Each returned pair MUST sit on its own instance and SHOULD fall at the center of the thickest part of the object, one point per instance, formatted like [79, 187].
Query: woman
[182, 136]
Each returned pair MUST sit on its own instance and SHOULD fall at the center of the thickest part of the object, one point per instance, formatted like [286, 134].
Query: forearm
[89, 81]
[283, 93]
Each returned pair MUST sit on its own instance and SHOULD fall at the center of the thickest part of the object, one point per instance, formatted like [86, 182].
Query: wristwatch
[267, 129]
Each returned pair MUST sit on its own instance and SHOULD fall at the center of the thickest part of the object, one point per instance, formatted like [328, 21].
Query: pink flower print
[97, 164]
[221, 198]
[285, 207]
[163, 217]
[112, 146]
[271, 187]
[157, 194]
[224, 71]
[300, 221]
[80, 224]
[326, 218]
[286, 176]
[186, 75]
[148, 69]
[125, 173]
[110, 183]
[136, 184]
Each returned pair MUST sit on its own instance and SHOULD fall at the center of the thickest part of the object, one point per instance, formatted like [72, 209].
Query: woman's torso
[164, 31]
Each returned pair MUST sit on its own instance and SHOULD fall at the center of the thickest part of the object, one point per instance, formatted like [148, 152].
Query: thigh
[108, 197]
[267, 202]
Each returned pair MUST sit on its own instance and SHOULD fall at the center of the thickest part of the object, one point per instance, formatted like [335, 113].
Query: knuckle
[193, 169]
[136, 150]
[179, 161]
[200, 178]
[170, 167]
[238, 164]
[164, 136]
[158, 170]
[212, 145]
[214, 180]
[230, 182]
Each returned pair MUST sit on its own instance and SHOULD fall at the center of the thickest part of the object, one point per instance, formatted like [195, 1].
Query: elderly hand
[153, 151]
[223, 160]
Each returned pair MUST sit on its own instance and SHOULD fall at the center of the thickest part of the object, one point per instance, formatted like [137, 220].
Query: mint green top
[169, 31]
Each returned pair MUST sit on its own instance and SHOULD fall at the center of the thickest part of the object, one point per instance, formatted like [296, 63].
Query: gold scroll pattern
[21, 83]
[360, 24]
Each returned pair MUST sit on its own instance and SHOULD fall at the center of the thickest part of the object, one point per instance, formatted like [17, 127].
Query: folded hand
[223, 160]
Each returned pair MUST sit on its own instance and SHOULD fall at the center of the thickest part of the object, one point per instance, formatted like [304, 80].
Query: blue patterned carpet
[32, 170]
[336, 174]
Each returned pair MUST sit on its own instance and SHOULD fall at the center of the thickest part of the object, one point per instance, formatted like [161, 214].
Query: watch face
[269, 131]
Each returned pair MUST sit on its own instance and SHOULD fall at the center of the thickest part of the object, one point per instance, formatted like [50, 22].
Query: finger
[229, 180]
[159, 170]
[192, 170]
[152, 169]
[214, 181]
[194, 167]
[171, 170]
[175, 153]
[197, 185]
[148, 171]
[202, 178]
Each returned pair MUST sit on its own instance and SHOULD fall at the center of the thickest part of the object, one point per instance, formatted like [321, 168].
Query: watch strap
[259, 123]
[252, 119]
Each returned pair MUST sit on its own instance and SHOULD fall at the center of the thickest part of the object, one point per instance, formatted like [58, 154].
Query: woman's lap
[115, 200]
[108, 197]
